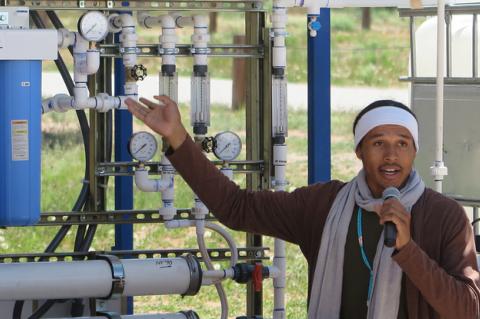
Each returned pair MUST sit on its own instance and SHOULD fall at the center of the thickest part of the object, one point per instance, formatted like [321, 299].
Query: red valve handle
[257, 277]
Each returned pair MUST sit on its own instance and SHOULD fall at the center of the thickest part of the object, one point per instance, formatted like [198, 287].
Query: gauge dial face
[227, 146]
[142, 146]
[93, 26]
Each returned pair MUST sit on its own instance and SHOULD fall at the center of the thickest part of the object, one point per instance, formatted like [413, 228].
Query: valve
[243, 273]
[257, 277]
[314, 25]
[138, 72]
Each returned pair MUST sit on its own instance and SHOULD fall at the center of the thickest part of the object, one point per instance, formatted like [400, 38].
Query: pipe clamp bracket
[118, 275]
[132, 50]
[200, 50]
[168, 51]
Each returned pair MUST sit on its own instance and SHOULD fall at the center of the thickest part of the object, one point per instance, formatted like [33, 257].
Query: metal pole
[319, 152]
[123, 184]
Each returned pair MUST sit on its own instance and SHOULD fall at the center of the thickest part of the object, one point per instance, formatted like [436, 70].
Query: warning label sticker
[20, 140]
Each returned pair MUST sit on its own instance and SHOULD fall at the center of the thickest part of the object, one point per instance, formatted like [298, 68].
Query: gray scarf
[326, 293]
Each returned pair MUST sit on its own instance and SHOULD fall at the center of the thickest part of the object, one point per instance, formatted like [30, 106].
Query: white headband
[385, 115]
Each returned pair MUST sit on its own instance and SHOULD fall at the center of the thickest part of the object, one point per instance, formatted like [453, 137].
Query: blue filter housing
[20, 142]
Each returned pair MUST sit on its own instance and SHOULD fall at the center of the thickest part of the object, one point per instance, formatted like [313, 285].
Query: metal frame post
[123, 184]
[254, 24]
[319, 122]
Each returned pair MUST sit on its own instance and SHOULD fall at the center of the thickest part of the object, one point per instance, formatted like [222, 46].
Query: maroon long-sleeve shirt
[442, 278]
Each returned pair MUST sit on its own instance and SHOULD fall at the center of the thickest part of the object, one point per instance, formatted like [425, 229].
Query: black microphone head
[390, 192]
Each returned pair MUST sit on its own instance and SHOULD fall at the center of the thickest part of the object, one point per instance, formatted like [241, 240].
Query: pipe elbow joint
[148, 185]
[93, 61]
[65, 38]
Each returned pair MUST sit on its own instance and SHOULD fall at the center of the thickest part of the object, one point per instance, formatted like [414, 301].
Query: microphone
[390, 234]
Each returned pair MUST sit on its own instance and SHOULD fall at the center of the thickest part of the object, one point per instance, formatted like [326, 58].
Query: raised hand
[163, 118]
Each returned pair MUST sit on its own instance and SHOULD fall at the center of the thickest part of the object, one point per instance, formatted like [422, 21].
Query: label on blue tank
[20, 140]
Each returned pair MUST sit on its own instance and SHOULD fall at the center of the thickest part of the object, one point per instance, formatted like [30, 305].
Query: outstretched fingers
[164, 100]
[136, 109]
[151, 105]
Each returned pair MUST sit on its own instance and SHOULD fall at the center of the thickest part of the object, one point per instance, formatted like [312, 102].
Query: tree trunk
[366, 19]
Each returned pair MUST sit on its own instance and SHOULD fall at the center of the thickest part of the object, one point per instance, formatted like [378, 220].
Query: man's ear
[358, 152]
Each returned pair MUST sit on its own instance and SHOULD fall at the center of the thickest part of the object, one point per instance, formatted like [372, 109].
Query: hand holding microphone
[390, 231]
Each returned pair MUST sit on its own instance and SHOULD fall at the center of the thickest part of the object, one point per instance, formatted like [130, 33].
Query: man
[430, 273]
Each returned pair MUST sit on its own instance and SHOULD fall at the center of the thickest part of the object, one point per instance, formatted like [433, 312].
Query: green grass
[62, 173]
[377, 57]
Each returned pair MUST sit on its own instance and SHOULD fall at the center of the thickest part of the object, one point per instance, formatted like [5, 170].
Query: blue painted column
[123, 184]
[319, 145]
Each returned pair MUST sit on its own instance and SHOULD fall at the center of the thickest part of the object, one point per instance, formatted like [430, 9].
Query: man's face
[387, 153]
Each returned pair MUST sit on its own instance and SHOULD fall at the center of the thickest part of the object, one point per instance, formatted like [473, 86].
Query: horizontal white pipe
[156, 276]
[83, 279]
[151, 316]
[65, 38]
[101, 103]
[53, 280]
[182, 21]
[149, 185]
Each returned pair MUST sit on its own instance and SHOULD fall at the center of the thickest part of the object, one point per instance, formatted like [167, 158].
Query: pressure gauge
[93, 26]
[142, 146]
[227, 146]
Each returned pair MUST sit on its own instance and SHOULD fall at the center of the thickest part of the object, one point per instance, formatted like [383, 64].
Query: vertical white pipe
[279, 258]
[200, 38]
[168, 210]
[438, 173]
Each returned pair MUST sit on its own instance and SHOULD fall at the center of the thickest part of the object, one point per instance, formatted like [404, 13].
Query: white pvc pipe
[128, 38]
[65, 38]
[168, 39]
[54, 280]
[168, 210]
[438, 169]
[200, 38]
[279, 258]
[151, 316]
[156, 276]
[83, 279]
[93, 61]
[149, 185]
[182, 21]
[101, 103]
[279, 25]
[80, 59]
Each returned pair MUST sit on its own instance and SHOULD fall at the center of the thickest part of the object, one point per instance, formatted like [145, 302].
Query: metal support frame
[319, 144]
[118, 5]
[255, 106]
[258, 122]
